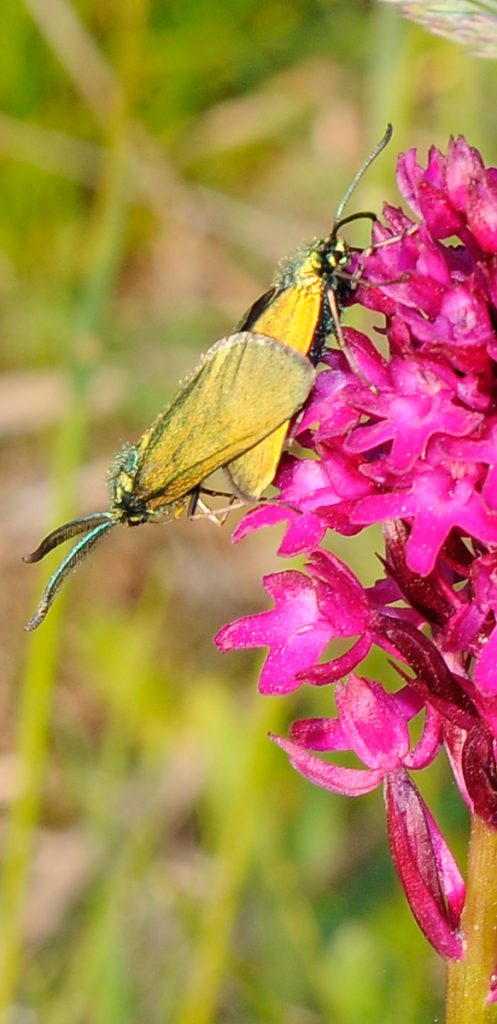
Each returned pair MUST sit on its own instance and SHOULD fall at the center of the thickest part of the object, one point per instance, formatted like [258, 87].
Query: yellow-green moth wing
[246, 386]
[253, 471]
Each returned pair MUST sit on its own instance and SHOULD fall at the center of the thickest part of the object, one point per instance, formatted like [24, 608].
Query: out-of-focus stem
[104, 240]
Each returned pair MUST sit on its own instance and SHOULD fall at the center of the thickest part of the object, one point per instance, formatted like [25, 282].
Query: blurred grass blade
[105, 245]
[471, 22]
[61, 25]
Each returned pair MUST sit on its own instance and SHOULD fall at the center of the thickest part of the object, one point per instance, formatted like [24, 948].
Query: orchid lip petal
[347, 781]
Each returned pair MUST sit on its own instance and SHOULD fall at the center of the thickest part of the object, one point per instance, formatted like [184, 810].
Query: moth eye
[336, 258]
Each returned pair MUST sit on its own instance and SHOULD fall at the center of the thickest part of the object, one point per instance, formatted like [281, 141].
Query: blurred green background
[161, 861]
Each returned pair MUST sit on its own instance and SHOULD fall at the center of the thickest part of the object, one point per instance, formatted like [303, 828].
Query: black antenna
[380, 146]
[94, 526]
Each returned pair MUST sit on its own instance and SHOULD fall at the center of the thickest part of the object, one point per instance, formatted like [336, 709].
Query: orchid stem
[468, 979]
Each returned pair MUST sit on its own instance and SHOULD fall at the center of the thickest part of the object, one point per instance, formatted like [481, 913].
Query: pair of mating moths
[234, 410]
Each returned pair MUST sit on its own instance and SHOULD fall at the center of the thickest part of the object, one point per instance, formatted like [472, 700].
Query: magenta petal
[428, 535]
[337, 668]
[464, 167]
[436, 503]
[304, 532]
[341, 597]
[408, 178]
[294, 631]
[463, 627]
[319, 734]
[465, 310]
[305, 529]
[436, 169]
[423, 866]
[300, 479]
[371, 365]
[348, 781]
[486, 667]
[372, 723]
[438, 213]
[455, 739]
[488, 709]
[429, 744]
[453, 884]
[489, 490]
[257, 518]
[482, 214]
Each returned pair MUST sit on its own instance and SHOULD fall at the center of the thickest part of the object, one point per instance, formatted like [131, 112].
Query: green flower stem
[468, 978]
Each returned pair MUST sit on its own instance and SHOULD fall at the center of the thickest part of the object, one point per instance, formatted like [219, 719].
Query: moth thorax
[122, 476]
